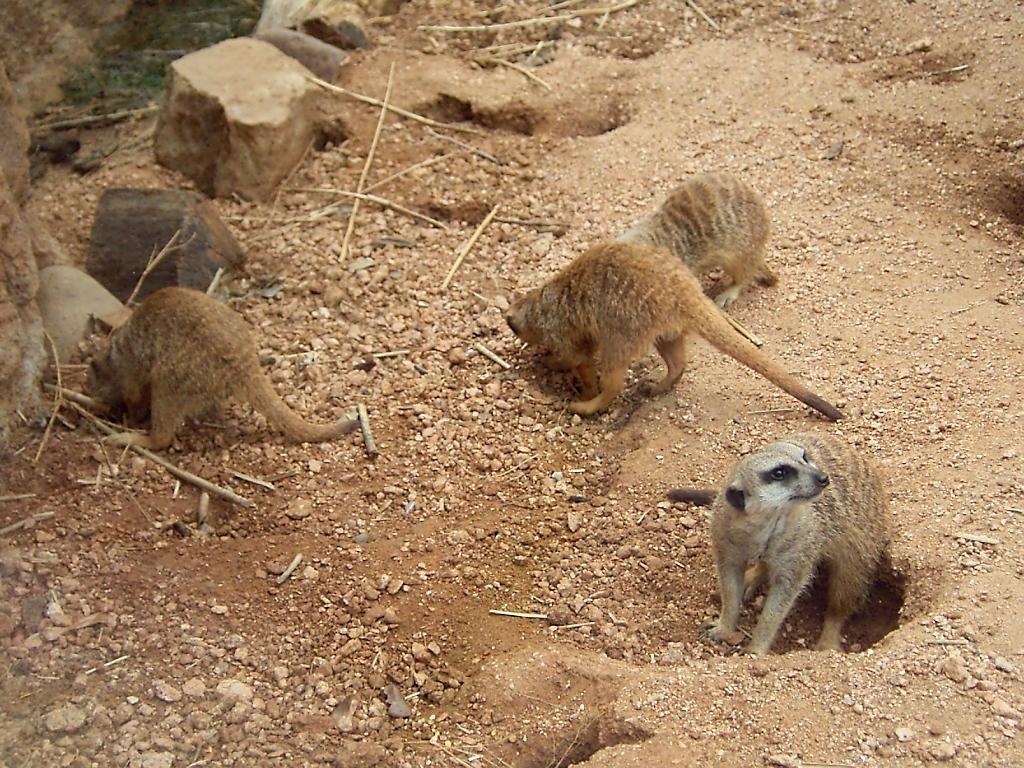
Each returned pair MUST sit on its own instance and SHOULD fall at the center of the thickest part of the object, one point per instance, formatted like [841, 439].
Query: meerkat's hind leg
[587, 375]
[673, 351]
[612, 382]
[765, 276]
[846, 589]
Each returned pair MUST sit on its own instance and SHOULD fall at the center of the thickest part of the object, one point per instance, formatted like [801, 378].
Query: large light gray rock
[236, 118]
[68, 299]
[338, 22]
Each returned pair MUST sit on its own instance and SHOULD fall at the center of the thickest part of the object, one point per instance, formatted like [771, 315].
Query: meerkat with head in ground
[712, 221]
[607, 307]
[183, 354]
[803, 503]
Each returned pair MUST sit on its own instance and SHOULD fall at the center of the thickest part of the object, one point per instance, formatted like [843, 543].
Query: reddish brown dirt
[897, 199]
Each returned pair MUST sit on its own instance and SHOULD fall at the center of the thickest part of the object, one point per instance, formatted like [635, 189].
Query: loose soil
[886, 138]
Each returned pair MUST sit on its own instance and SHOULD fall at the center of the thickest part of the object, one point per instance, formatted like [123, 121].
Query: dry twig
[410, 169]
[77, 397]
[328, 210]
[517, 67]
[28, 522]
[465, 250]
[112, 117]
[364, 425]
[17, 497]
[700, 12]
[58, 400]
[154, 261]
[530, 22]
[178, 472]
[483, 350]
[397, 110]
[468, 147]
[290, 569]
[366, 166]
[757, 342]
[516, 615]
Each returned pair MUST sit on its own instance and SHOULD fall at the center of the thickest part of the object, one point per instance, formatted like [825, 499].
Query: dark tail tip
[702, 497]
[826, 409]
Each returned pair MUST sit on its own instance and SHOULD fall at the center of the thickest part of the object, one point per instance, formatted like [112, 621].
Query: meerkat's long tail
[281, 417]
[716, 329]
[702, 497]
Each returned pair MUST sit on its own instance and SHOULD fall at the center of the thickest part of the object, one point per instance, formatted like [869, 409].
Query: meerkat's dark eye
[781, 472]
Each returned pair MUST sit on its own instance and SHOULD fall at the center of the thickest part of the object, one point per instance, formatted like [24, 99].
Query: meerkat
[182, 354]
[712, 221]
[607, 307]
[785, 510]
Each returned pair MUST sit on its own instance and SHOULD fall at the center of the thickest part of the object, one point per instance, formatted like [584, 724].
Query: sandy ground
[886, 139]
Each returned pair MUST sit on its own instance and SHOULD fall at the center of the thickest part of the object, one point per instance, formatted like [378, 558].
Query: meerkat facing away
[607, 307]
[785, 510]
[710, 221]
[183, 354]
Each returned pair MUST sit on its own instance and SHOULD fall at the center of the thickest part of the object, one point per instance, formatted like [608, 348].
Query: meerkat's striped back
[712, 220]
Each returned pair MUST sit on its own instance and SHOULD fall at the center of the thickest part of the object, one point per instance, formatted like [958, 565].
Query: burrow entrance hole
[576, 743]
[876, 618]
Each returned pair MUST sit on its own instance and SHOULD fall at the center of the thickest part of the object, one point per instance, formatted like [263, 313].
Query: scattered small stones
[65, 719]
[397, 705]
[166, 692]
[232, 691]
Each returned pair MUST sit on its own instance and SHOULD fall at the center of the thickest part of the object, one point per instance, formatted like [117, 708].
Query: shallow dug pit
[1006, 197]
[562, 701]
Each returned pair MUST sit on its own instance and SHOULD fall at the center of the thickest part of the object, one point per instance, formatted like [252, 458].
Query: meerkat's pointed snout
[822, 479]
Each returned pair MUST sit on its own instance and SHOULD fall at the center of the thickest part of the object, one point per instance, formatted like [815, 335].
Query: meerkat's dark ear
[736, 497]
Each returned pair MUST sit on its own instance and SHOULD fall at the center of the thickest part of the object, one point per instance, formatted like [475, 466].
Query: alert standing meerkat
[183, 354]
[785, 510]
[608, 306]
[710, 221]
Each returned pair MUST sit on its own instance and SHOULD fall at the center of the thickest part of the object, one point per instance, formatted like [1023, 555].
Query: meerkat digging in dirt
[607, 307]
[712, 221]
[785, 510]
[183, 354]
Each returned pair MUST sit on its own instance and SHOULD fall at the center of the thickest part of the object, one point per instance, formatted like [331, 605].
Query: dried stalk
[112, 117]
[28, 522]
[469, 147]
[182, 474]
[491, 355]
[465, 250]
[517, 615]
[58, 400]
[531, 22]
[326, 211]
[700, 12]
[364, 425]
[366, 166]
[155, 260]
[77, 397]
[408, 170]
[517, 67]
[290, 569]
[397, 110]
[757, 342]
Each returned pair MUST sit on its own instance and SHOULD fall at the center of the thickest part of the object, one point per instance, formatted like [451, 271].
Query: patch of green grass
[132, 56]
